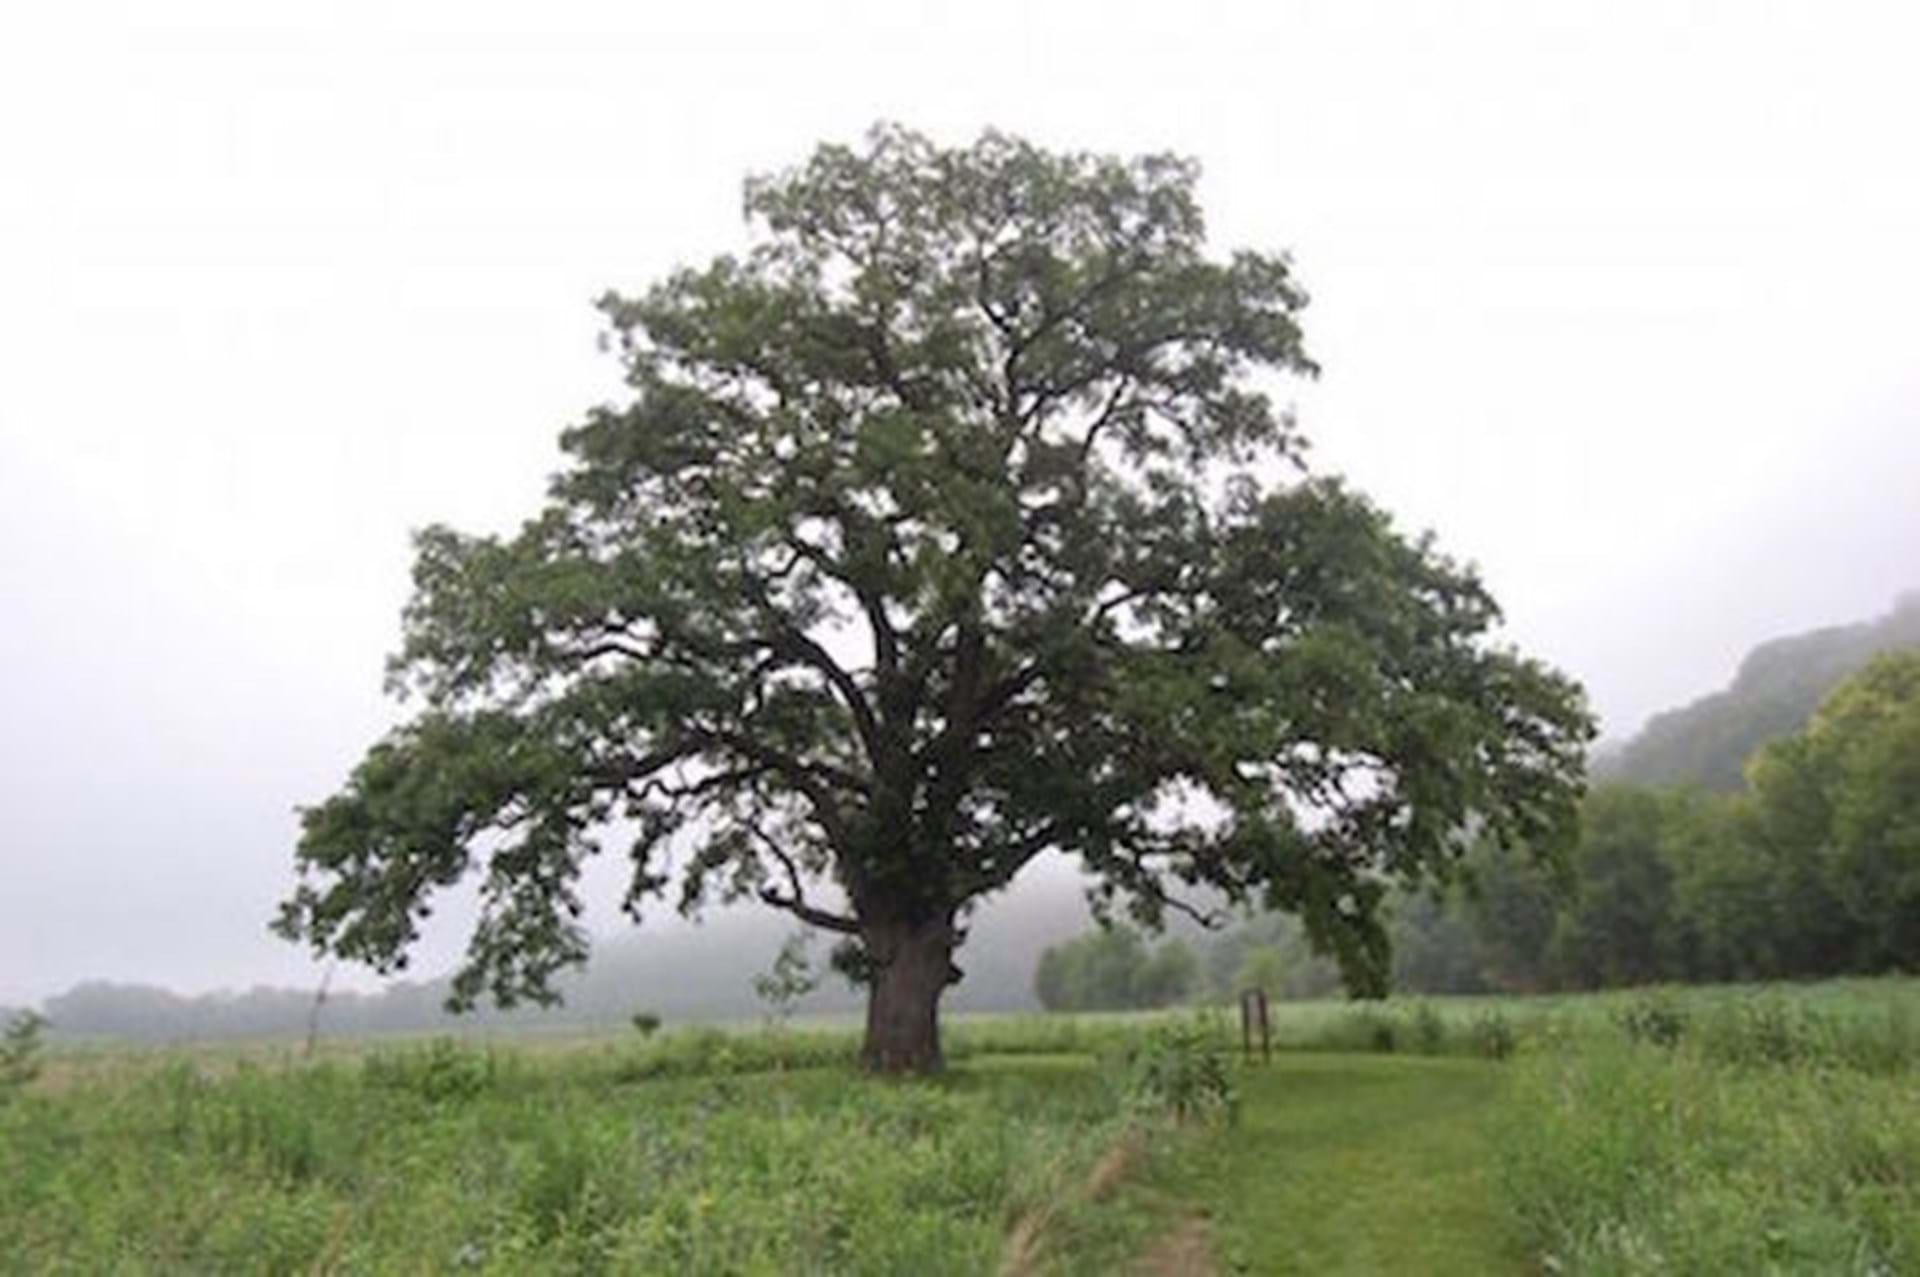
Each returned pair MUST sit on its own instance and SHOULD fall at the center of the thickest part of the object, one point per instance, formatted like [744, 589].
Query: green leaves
[1845, 795]
[20, 1047]
[939, 532]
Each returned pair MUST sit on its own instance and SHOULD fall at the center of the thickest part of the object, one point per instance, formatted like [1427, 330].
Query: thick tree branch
[803, 776]
[795, 901]
[808, 914]
[793, 643]
[886, 642]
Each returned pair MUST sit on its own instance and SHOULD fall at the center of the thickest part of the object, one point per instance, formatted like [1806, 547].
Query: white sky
[1616, 298]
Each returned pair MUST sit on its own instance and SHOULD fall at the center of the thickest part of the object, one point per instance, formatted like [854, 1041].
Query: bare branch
[808, 914]
[796, 644]
[886, 643]
[1211, 919]
[795, 902]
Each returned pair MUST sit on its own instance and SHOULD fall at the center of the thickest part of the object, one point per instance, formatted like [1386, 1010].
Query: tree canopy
[951, 525]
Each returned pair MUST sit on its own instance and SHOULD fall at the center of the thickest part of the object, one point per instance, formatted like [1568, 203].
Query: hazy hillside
[702, 973]
[1777, 687]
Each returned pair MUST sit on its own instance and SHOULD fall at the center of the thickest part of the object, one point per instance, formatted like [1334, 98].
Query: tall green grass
[452, 1158]
[1735, 1133]
[1649, 1131]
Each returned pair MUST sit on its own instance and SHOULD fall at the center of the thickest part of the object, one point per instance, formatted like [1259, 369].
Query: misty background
[1614, 298]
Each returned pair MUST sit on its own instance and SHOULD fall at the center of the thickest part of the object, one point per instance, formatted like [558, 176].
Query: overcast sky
[1617, 299]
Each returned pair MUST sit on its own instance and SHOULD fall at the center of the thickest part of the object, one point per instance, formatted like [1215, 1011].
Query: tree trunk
[912, 966]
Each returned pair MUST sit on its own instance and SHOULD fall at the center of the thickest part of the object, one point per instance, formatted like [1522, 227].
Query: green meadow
[1737, 1129]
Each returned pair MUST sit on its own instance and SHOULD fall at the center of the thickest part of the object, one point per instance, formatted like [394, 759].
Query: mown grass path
[1350, 1164]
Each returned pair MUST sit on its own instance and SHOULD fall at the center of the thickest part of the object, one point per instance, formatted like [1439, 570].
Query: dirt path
[1187, 1251]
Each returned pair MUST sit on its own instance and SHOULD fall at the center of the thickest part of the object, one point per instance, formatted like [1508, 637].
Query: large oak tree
[951, 526]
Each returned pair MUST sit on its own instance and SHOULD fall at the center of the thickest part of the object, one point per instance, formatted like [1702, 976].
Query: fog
[1614, 298]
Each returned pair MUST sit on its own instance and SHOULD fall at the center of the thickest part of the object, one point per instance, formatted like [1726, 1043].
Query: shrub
[708, 1050]
[1360, 1029]
[1179, 1071]
[20, 1046]
[1772, 1031]
[1429, 1030]
[1492, 1036]
[444, 1072]
[1763, 1032]
[1655, 1018]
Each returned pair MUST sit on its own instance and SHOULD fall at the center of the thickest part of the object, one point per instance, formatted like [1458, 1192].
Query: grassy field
[1722, 1130]
[444, 1158]
[1745, 1135]
[1345, 1164]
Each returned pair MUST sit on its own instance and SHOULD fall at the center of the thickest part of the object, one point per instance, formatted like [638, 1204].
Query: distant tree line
[1114, 969]
[1812, 869]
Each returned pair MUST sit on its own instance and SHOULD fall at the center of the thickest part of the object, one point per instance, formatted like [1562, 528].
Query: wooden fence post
[1253, 1010]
